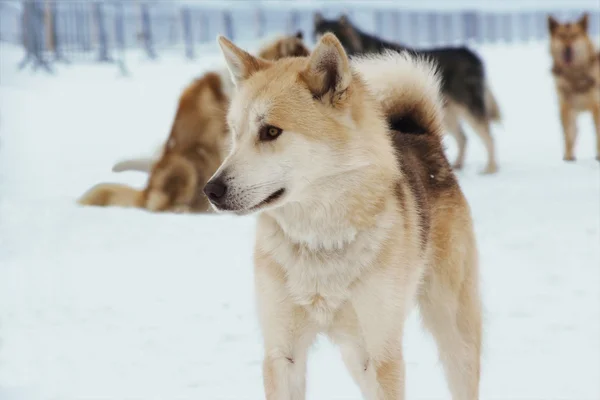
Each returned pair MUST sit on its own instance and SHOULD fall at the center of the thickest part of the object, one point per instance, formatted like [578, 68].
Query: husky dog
[466, 92]
[576, 71]
[194, 149]
[359, 215]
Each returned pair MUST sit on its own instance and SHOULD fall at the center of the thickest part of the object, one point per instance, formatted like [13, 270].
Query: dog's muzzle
[215, 190]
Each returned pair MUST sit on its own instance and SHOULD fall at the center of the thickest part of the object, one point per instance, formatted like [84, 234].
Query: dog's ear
[584, 21]
[344, 20]
[241, 64]
[299, 35]
[552, 24]
[318, 18]
[328, 69]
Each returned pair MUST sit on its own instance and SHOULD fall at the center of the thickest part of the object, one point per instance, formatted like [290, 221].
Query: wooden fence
[102, 31]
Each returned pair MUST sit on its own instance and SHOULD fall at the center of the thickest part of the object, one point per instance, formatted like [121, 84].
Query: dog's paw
[490, 169]
[569, 158]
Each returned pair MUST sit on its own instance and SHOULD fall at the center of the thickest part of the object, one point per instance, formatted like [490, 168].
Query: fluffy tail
[136, 164]
[408, 88]
[491, 106]
[112, 194]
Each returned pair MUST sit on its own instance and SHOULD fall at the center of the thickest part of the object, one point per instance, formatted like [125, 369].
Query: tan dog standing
[576, 71]
[359, 215]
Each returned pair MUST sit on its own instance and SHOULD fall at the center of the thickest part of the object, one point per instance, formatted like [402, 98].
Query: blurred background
[104, 31]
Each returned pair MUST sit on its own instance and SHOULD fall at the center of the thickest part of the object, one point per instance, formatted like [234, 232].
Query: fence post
[379, 22]
[147, 31]
[228, 25]
[260, 22]
[470, 26]
[33, 38]
[52, 38]
[188, 34]
[432, 21]
[98, 13]
[120, 36]
[80, 32]
[293, 22]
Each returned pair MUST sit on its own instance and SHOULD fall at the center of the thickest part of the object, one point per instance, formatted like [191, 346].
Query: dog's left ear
[299, 35]
[241, 64]
[328, 69]
[344, 19]
[584, 21]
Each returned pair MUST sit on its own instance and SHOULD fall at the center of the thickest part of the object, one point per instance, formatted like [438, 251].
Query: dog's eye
[269, 132]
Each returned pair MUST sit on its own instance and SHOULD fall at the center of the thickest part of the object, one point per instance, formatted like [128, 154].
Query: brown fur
[194, 149]
[369, 225]
[287, 46]
[577, 80]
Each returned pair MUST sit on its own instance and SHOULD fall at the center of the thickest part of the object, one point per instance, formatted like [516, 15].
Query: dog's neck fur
[338, 213]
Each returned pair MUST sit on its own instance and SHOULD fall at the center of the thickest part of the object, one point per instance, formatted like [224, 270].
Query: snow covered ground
[115, 303]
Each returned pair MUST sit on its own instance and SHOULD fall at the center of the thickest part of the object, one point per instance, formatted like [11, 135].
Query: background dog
[467, 94]
[194, 149]
[576, 71]
[356, 221]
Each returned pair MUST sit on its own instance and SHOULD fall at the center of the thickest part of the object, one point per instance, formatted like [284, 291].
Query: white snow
[121, 303]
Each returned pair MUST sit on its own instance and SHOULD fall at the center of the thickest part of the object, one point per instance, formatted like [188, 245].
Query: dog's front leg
[567, 118]
[288, 332]
[370, 337]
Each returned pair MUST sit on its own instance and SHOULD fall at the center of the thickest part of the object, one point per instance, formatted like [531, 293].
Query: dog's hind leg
[451, 310]
[452, 125]
[481, 126]
[567, 118]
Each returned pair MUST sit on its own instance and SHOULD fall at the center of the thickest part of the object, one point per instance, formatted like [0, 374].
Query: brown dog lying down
[194, 150]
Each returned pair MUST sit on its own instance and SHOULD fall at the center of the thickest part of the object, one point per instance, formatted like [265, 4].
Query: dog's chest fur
[320, 278]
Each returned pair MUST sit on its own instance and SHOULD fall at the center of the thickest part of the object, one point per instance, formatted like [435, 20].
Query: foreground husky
[467, 94]
[576, 71]
[360, 215]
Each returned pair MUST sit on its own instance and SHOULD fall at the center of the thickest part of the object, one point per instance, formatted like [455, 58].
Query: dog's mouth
[568, 55]
[244, 211]
[269, 200]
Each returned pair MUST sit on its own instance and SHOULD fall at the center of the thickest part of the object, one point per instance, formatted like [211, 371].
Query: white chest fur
[321, 279]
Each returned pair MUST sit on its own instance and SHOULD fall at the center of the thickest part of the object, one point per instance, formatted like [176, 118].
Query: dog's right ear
[241, 64]
[552, 24]
[328, 69]
[584, 21]
[299, 35]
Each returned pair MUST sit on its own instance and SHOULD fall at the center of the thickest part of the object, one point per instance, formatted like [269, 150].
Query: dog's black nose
[215, 190]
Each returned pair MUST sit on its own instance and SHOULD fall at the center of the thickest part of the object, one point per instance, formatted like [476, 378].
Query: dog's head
[291, 122]
[286, 46]
[342, 28]
[193, 150]
[570, 44]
